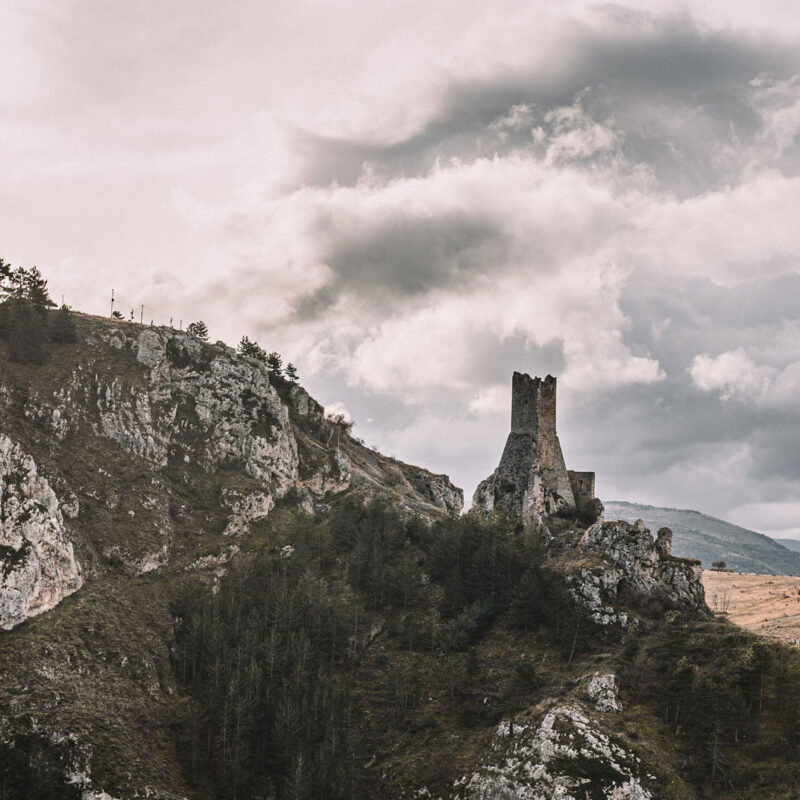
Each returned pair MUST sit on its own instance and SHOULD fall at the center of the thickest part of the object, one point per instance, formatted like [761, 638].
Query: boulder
[602, 691]
[551, 760]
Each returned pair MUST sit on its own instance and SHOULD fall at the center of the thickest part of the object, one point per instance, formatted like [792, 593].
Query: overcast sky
[410, 200]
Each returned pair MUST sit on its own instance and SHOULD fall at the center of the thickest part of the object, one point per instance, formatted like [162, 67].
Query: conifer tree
[275, 365]
[34, 289]
[252, 349]
[26, 333]
[291, 372]
[198, 329]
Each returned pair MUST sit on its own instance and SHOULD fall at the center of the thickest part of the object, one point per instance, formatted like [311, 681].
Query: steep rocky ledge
[37, 563]
[134, 459]
[179, 414]
[629, 566]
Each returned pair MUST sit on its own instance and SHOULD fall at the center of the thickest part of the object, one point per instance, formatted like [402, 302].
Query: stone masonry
[532, 479]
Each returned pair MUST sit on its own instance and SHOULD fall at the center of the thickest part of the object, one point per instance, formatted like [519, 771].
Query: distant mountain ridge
[789, 544]
[709, 539]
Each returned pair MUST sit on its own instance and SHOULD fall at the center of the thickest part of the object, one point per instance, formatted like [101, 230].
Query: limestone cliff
[163, 412]
[37, 563]
[134, 460]
[631, 567]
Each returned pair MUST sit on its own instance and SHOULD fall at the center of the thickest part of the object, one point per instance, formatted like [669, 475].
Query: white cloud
[576, 135]
[734, 374]
[338, 410]
[410, 199]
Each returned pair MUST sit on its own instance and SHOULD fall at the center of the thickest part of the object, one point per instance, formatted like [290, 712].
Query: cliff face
[129, 462]
[38, 564]
[180, 415]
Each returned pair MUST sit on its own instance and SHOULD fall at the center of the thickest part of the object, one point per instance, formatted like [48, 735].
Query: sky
[410, 200]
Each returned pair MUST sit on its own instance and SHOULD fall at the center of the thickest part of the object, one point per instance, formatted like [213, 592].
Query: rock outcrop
[554, 760]
[632, 566]
[603, 692]
[173, 413]
[37, 563]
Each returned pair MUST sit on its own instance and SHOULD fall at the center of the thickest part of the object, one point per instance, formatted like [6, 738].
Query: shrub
[198, 329]
[62, 326]
[24, 329]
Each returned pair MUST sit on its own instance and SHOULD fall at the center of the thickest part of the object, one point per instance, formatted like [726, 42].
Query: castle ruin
[532, 479]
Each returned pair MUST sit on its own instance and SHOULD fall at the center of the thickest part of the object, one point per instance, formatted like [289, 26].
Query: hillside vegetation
[259, 612]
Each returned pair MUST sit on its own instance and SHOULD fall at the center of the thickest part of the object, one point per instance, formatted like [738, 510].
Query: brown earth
[765, 604]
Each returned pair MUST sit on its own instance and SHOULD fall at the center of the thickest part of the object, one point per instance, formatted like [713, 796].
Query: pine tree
[198, 329]
[5, 274]
[251, 349]
[28, 285]
[291, 372]
[26, 333]
[35, 289]
[275, 364]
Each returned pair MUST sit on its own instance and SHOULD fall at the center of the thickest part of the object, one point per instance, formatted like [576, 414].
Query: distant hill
[710, 539]
[789, 544]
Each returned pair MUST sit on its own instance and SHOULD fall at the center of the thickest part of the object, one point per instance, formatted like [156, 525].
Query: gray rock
[664, 543]
[37, 564]
[151, 348]
[304, 404]
[602, 691]
[549, 760]
[636, 566]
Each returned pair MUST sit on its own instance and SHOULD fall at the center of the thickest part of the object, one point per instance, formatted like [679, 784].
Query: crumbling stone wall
[551, 459]
[525, 404]
[582, 487]
[531, 479]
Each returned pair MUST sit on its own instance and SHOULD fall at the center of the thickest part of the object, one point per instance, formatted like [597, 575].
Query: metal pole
[112, 302]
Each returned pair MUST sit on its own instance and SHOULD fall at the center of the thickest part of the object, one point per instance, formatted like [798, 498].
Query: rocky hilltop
[210, 590]
[136, 421]
[135, 457]
[709, 539]
[533, 484]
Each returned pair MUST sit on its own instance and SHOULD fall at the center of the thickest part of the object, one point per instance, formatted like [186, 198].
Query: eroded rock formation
[554, 759]
[173, 412]
[37, 563]
[633, 567]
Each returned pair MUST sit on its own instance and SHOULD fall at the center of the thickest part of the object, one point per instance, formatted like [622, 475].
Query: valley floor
[765, 604]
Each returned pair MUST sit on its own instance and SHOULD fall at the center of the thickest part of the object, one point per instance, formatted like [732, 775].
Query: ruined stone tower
[532, 479]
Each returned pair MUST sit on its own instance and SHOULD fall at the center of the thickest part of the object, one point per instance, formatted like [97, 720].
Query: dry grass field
[765, 604]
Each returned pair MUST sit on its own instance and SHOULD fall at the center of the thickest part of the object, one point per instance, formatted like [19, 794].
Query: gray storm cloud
[411, 202]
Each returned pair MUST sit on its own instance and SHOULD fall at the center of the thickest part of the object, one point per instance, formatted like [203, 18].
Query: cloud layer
[410, 202]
